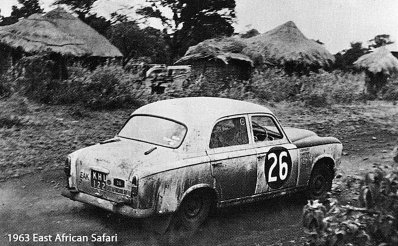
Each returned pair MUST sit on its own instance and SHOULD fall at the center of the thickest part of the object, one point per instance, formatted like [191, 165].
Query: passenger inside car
[229, 132]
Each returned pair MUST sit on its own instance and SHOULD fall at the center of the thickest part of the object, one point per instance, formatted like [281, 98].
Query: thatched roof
[57, 31]
[225, 50]
[287, 44]
[34, 34]
[380, 60]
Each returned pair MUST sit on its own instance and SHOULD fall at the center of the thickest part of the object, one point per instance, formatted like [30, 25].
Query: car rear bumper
[107, 205]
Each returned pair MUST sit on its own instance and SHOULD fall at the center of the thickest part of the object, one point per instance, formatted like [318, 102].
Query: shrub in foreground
[374, 223]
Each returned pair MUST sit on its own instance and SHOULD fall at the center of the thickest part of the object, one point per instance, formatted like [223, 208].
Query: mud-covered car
[186, 156]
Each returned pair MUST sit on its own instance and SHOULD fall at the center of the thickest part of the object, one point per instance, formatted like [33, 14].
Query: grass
[52, 132]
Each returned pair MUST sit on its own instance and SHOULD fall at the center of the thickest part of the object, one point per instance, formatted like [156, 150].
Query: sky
[336, 23]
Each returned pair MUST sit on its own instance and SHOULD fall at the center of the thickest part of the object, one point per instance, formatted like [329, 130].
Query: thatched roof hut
[57, 31]
[219, 62]
[287, 46]
[379, 61]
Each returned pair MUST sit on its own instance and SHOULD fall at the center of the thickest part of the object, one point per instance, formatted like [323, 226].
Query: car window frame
[156, 116]
[233, 147]
[283, 140]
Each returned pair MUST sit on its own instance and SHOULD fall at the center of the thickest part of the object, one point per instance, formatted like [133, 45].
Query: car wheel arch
[321, 178]
[200, 188]
[326, 160]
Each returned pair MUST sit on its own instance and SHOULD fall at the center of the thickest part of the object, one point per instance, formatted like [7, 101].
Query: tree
[134, 42]
[83, 9]
[380, 40]
[192, 21]
[345, 59]
[80, 7]
[28, 8]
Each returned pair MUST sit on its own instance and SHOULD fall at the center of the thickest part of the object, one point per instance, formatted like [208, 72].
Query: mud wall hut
[57, 33]
[218, 62]
[379, 66]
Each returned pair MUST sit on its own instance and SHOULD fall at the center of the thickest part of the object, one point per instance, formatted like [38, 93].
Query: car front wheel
[320, 182]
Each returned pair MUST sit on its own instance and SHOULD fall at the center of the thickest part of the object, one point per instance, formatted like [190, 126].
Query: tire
[193, 210]
[320, 182]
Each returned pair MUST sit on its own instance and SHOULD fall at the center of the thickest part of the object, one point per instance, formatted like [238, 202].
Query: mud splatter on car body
[230, 151]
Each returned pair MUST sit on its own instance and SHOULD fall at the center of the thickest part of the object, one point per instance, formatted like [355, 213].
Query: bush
[110, 87]
[390, 91]
[14, 112]
[374, 223]
[324, 89]
[274, 85]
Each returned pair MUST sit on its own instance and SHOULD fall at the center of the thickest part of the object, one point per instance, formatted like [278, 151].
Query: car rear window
[154, 130]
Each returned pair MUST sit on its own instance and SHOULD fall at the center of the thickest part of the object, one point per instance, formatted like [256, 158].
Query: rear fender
[196, 187]
[174, 185]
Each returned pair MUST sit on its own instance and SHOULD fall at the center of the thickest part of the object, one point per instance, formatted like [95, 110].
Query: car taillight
[67, 166]
[134, 186]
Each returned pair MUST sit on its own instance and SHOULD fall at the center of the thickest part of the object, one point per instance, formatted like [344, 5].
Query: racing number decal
[278, 166]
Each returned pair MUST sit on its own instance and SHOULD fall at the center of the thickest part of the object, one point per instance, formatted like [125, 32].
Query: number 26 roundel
[278, 166]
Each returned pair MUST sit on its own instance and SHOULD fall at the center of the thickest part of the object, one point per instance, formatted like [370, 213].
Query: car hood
[296, 134]
[305, 138]
[126, 157]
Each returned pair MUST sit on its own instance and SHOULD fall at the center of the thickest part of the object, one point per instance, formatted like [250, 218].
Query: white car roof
[199, 114]
[200, 109]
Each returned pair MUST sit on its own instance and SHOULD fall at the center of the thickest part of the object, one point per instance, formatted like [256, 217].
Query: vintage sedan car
[184, 156]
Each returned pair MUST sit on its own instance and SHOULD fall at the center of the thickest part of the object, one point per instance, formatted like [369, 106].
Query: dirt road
[33, 205]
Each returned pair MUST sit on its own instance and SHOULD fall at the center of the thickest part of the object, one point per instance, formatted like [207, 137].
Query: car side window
[229, 132]
[265, 129]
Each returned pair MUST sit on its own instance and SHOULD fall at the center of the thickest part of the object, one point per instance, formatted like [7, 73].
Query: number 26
[283, 167]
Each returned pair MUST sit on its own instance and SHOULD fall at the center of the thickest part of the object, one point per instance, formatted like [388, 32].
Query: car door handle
[217, 164]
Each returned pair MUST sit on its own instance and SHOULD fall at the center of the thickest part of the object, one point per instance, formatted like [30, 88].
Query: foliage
[374, 223]
[380, 40]
[191, 21]
[345, 59]
[316, 89]
[135, 42]
[14, 111]
[323, 89]
[390, 90]
[110, 87]
[106, 87]
[28, 8]
[274, 85]
[79, 6]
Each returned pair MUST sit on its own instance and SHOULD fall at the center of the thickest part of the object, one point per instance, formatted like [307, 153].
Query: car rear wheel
[194, 210]
[320, 182]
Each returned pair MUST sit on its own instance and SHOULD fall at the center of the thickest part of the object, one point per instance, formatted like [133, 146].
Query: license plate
[98, 180]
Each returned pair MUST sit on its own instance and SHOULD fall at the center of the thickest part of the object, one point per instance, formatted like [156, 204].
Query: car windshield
[154, 130]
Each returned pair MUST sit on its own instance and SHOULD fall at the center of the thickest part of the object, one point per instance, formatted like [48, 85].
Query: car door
[233, 160]
[277, 158]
